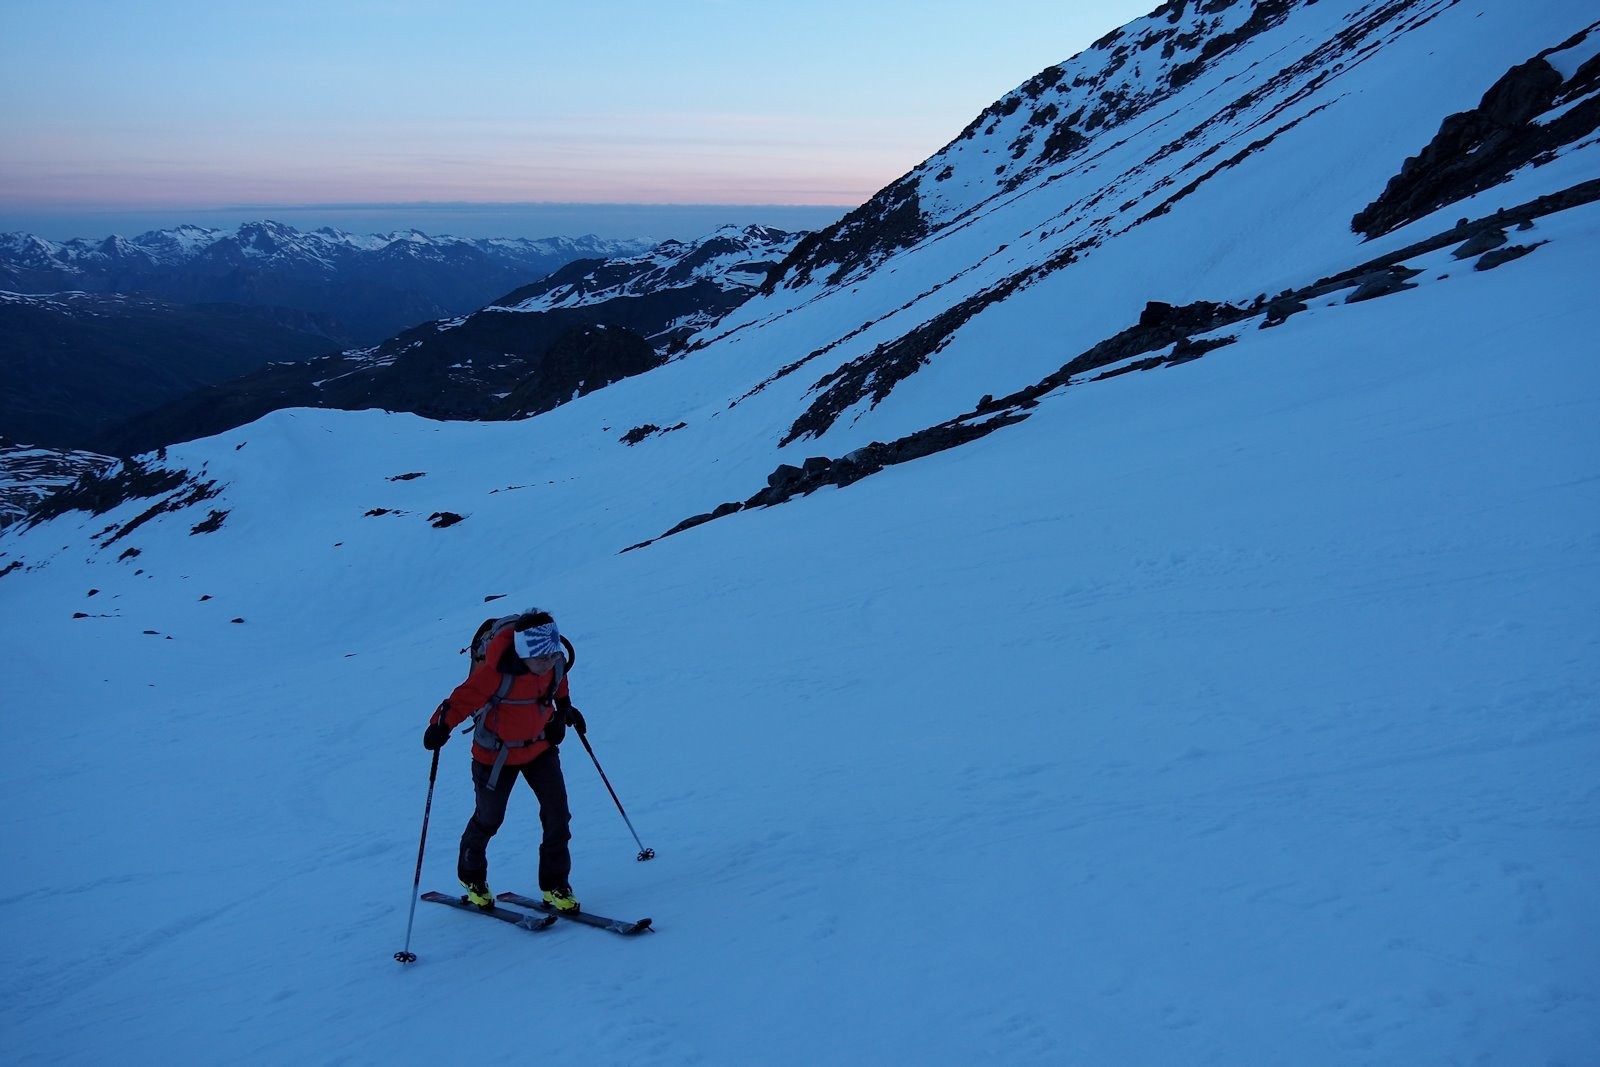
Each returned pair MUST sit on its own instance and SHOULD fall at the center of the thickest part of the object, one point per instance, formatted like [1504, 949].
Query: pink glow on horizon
[167, 104]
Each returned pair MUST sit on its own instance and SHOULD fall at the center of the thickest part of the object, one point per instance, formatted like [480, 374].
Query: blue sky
[187, 109]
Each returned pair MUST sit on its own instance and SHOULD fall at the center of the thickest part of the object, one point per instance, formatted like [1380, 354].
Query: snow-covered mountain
[678, 287]
[372, 285]
[268, 240]
[1130, 601]
[591, 323]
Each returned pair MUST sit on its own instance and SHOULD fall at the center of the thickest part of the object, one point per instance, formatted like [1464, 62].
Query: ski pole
[644, 853]
[405, 955]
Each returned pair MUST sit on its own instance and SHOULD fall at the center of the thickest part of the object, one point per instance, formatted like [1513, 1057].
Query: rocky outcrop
[29, 475]
[1480, 148]
[788, 481]
[890, 221]
[99, 491]
[583, 359]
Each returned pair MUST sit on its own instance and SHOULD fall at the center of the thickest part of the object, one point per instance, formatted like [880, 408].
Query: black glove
[555, 730]
[434, 737]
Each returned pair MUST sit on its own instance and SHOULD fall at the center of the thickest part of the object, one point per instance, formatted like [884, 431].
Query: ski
[515, 918]
[616, 926]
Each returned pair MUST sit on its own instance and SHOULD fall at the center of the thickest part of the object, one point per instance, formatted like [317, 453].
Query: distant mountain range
[368, 287]
[591, 323]
[93, 333]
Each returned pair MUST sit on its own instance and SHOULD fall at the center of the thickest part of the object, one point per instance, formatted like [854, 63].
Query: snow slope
[1236, 712]
[1261, 729]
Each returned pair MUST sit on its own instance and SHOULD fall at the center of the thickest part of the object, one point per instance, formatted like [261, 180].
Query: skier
[518, 695]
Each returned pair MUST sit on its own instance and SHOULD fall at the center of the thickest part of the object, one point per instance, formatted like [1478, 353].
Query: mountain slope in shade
[76, 362]
[514, 358]
[98, 333]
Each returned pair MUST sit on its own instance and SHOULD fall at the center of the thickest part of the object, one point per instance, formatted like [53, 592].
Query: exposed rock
[1279, 311]
[1477, 149]
[785, 475]
[28, 476]
[639, 433]
[890, 221]
[579, 361]
[1485, 239]
[100, 492]
[1383, 283]
[788, 481]
[211, 524]
[1493, 259]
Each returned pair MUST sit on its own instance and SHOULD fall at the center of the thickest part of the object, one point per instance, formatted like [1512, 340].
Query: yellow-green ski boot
[561, 899]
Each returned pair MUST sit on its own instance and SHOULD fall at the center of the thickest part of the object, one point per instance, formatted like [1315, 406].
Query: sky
[182, 110]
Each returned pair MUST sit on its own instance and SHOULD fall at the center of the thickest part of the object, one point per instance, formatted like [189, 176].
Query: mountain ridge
[372, 286]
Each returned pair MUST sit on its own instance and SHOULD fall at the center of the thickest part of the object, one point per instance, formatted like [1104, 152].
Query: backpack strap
[483, 734]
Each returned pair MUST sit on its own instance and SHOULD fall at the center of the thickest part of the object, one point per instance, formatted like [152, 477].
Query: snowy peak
[1065, 108]
[271, 239]
[730, 258]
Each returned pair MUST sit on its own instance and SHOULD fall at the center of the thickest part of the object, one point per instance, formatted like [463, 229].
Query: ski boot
[561, 899]
[478, 893]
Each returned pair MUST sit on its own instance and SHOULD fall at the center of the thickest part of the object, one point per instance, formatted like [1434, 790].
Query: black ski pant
[544, 775]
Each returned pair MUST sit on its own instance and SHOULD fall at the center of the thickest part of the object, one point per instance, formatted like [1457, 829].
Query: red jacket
[522, 713]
